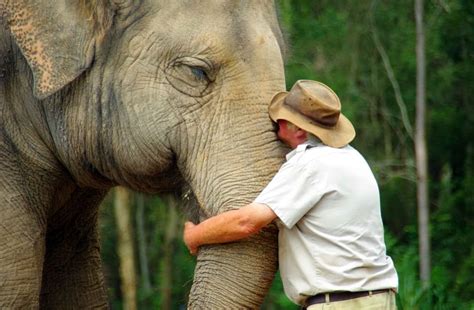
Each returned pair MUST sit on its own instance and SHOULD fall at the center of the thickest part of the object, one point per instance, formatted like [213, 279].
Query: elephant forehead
[221, 7]
[221, 29]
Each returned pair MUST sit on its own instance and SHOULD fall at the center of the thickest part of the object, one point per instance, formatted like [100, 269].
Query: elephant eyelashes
[190, 76]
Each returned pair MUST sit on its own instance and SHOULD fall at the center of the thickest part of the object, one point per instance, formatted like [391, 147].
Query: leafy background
[365, 50]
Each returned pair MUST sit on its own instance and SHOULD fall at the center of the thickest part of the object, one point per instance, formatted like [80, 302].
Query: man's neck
[312, 139]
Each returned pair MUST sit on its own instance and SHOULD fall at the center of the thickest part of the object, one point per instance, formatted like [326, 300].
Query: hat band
[327, 124]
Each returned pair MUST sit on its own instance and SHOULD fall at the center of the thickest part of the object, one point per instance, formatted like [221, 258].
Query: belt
[340, 296]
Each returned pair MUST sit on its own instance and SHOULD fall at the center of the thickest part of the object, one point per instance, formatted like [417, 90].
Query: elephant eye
[190, 75]
[199, 73]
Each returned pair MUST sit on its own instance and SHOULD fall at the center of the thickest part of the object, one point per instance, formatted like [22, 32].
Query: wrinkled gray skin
[152, 95]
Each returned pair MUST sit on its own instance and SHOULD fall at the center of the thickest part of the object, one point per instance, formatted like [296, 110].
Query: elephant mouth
[190, 205]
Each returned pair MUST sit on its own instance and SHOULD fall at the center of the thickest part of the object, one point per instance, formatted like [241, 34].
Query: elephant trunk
[236, 275]
[240, 158]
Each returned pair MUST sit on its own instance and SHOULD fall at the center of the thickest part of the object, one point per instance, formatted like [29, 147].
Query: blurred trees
[163, 268]
[366, 51]
[125, 248]
[420, 149]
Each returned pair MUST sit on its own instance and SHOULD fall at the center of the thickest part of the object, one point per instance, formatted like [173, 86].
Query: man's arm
[228, 226]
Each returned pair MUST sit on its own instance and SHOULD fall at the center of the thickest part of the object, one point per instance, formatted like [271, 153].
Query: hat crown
[315, 108]
[316, 101]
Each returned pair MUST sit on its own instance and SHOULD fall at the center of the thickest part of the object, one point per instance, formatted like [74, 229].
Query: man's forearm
[226, 227]
[229, 226]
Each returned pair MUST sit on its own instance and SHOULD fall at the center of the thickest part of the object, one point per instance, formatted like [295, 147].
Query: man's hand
[188, 237]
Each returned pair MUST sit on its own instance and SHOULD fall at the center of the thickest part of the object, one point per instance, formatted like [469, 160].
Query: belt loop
[370, 293]
[326, 296]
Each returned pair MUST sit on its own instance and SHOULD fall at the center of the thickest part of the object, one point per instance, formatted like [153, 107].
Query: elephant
[153, 95]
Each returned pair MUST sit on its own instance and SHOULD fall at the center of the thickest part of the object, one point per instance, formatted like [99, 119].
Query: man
[331, 243]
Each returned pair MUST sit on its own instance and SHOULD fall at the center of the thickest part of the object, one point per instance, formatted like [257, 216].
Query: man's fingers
[192, 251]
[187, 227]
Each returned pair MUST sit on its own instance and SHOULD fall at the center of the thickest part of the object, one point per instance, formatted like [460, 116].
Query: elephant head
[152, 95]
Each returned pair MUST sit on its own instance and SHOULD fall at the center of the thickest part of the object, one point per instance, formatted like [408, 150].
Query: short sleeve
[292, 192]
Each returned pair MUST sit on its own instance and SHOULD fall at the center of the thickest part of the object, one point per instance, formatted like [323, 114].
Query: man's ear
[301, 134]
[57, 38]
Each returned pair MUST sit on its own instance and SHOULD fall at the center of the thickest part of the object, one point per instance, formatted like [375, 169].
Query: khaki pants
[382, 301]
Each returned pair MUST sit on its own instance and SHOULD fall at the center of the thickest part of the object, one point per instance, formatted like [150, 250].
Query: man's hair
[290, 125]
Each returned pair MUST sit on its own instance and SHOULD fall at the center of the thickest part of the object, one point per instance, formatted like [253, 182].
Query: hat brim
[338, 136]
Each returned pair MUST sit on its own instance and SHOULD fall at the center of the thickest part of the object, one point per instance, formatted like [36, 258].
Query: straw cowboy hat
[315, 108]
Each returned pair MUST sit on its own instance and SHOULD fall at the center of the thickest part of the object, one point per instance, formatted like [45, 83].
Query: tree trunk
[125, 248]
[142, 251]
[168, 253]
[391, 75]
[420, 149]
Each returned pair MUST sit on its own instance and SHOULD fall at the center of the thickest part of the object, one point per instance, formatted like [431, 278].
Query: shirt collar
[312, 141]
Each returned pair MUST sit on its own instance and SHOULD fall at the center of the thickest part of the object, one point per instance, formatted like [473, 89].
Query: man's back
[337, 242]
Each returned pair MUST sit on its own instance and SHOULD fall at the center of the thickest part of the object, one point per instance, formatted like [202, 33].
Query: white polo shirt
[331, 232]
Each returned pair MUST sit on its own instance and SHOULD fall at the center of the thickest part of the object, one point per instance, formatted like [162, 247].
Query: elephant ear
[57, 38]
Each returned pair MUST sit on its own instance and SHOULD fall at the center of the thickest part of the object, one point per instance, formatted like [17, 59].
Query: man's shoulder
[307, 157]
[323, 149]
[323, 155]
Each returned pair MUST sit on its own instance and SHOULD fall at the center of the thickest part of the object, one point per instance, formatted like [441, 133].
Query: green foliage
[442, 293]
[276, 299]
